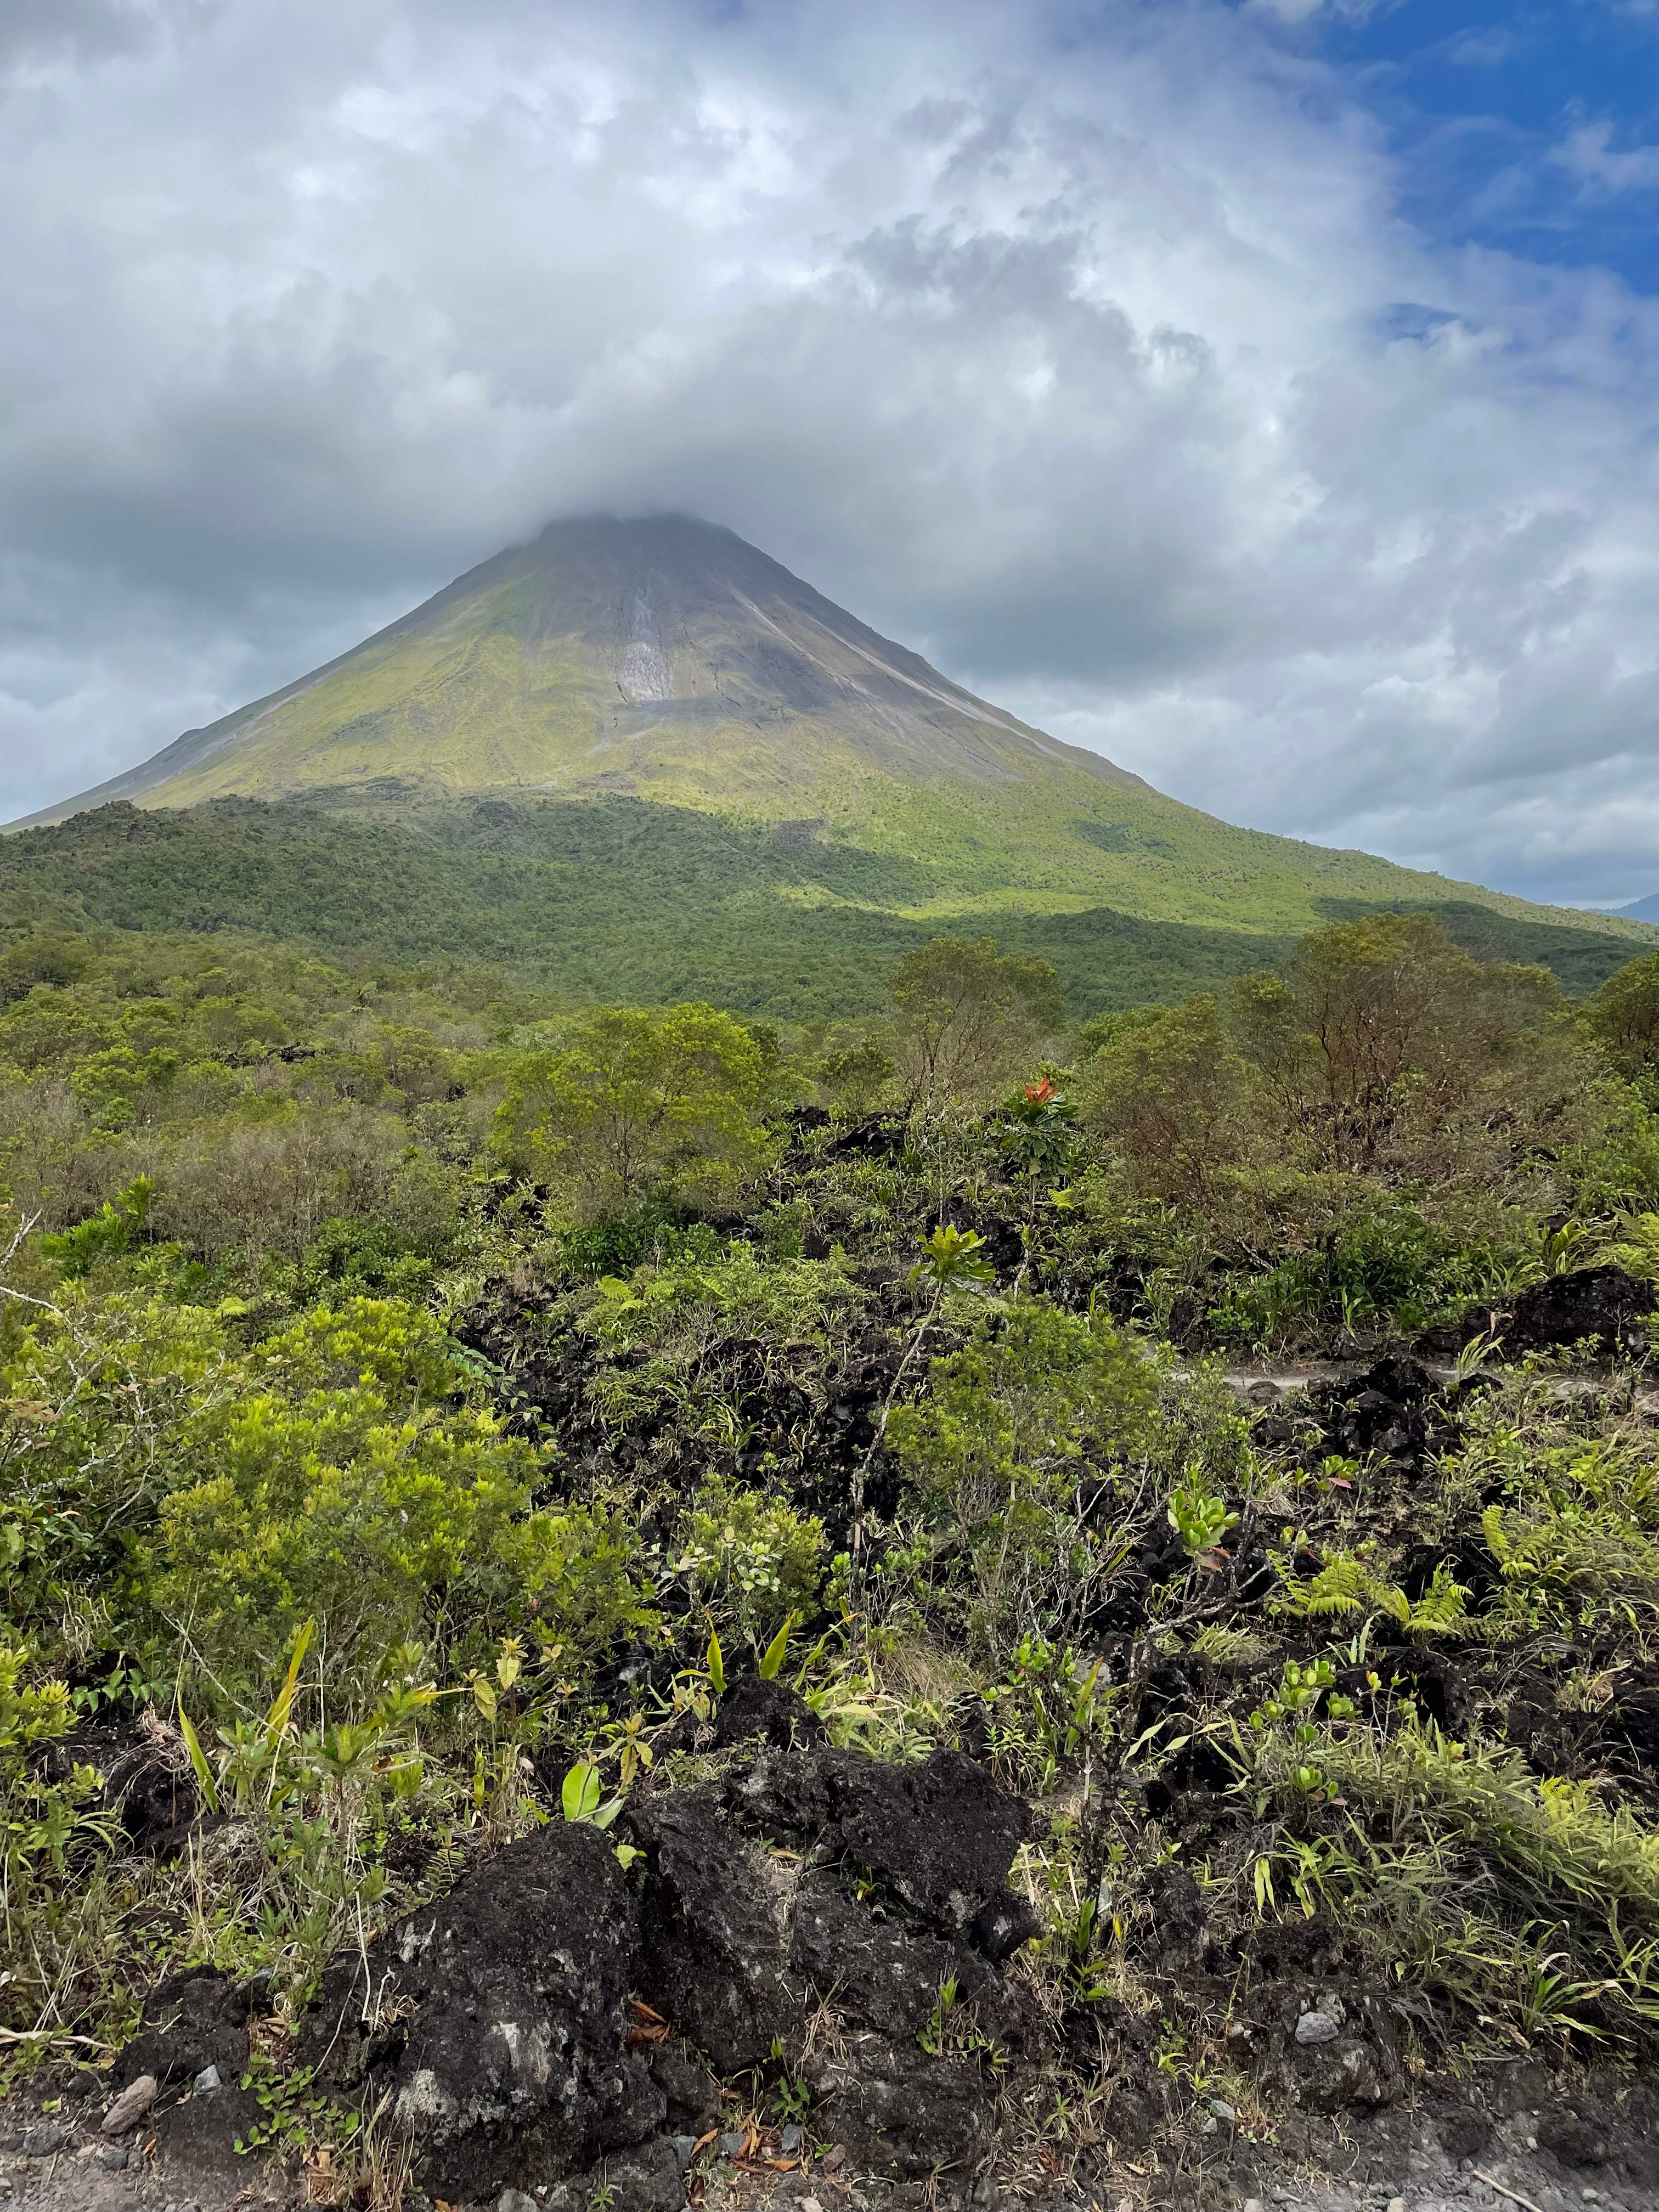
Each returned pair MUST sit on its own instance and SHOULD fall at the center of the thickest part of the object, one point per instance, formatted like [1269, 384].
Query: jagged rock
[713, 1956]
[754, 1706]
[1351, 2070]
[649, 2178]
[495, 2018]
[191, 2021]
[941, 1834]
[896, 2110]
[1393, 1411]
[1345, 2053]
[692, 2093]
[875, 1972]
[1603, 1304]
[1001, 1926]
[782, 1793]
[1464, 2133]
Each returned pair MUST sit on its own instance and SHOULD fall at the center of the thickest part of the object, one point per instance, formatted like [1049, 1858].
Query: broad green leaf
[198, 1762]
[579, 1798]
[777, 1652]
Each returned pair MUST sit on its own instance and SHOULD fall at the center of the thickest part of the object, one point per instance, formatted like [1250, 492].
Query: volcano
[664, 658]
[665, 666]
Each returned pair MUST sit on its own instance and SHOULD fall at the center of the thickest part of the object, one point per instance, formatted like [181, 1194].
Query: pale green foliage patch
[631, 1098]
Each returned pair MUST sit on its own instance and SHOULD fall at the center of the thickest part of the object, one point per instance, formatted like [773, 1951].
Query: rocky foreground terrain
[808, 1931]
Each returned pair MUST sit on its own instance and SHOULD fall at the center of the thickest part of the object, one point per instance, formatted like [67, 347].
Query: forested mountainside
[644, 755]
[616, 898]
[610, 1600]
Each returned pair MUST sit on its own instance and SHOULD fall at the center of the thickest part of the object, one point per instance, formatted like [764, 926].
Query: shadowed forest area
[1005, 1594]
[623, 898]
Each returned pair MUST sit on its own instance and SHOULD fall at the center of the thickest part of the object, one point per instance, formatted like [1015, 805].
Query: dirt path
[60, 2163]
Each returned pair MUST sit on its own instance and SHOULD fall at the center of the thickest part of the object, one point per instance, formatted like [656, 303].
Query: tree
[967, 1020]
[1173, 1099]
[1381, 1032]
[1623, 1016]
[632, 1099]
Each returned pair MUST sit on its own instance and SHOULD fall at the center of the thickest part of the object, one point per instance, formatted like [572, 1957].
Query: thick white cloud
[1089, 355]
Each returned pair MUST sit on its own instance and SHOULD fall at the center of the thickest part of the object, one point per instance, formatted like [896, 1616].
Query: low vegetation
[419, 1393]
[639, 900]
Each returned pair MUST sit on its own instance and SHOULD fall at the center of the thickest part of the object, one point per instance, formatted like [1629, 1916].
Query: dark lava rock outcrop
[191, 2021]
[1394, 1411]
[497, 2020]
[1603, 1306]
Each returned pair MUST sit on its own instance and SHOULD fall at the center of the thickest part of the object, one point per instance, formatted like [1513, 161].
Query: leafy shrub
[1003, 1451]
[855, 1077]
[679, 1312]
[1173, 1101]
[268, 1183]
[381, 1528]
[105, 1235]
[632, 1100]
[46, 1816]
[1623, 1016]
[1573, 1513]
[1380, 1033]
[614, 1243]
[1382, 1258]
[967, 1020]
[107, 1403]
[751, 1561]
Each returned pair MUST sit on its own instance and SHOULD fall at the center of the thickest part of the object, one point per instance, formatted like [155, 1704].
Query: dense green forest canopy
[621, 899]
[419, 1384]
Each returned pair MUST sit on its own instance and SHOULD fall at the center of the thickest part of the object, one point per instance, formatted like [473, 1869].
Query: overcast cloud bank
[1087, 352]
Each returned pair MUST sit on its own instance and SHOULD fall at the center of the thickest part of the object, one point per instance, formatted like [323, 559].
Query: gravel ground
[76, 2177]
[59, 2162]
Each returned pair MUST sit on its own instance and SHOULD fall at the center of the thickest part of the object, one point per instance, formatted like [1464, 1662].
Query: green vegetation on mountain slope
[621, 898]
[664, 662]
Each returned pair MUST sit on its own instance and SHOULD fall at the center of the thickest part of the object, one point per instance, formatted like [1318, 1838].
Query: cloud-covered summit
[1089, 355]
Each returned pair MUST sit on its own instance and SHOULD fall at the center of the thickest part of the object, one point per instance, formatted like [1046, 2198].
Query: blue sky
[1263, 392]
[1533, 130]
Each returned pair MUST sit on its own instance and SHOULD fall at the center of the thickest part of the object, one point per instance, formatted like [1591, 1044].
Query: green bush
[748, 1561]
[329, 1472]
[633, 1100]
[1000, 1452]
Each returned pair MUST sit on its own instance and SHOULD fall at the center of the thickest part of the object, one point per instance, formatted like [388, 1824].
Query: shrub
[108, 1403]
[1173, 1101]
[267, 1185]
[586, 1592]
[968, 1021]
[1002, 1453]
[749, 1560]
[383, 1529]
[1382, 1046]
[1623, 1016]
[46, 1816]
[632, 1100]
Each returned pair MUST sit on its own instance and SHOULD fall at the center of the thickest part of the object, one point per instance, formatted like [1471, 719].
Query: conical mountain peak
[664, 665]
[661, 655]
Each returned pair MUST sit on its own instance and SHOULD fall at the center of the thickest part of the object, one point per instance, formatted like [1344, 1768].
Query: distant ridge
[666, 662]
